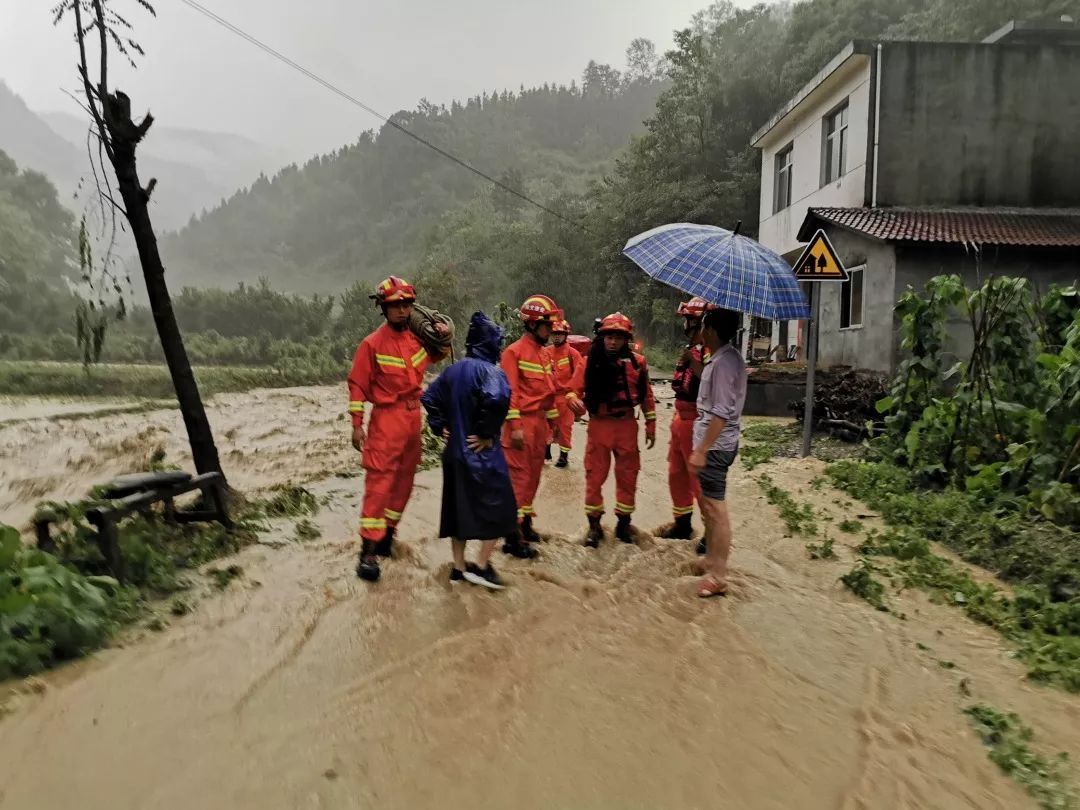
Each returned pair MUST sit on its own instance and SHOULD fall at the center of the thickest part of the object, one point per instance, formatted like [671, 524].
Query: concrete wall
[870, 345]
[803, 127]
[917, 265]
[975, 124]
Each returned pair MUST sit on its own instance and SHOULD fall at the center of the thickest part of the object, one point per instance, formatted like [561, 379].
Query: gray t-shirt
[722, 395]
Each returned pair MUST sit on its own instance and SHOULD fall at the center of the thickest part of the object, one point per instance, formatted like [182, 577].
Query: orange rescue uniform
[532, 410]
[565, 362]
[387, 375]
[682, 480]
[613, 431]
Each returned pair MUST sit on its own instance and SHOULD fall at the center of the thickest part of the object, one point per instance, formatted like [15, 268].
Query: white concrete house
[919, 158]
[816, 153]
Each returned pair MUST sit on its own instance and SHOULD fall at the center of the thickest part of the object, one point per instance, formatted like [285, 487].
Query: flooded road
[52, 450]
[598, 681]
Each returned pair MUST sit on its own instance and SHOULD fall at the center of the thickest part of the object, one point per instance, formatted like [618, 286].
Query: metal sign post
[817, 263]
[811, 365]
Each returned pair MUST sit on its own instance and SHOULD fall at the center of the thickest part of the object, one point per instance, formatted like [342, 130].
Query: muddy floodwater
[598, 681]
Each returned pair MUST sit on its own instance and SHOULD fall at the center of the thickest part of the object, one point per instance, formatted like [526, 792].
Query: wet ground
[597, 681]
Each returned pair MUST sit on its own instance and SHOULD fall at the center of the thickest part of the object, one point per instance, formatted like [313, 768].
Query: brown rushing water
[597, 681]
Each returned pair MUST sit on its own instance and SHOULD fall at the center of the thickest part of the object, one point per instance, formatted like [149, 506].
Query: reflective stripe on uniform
[390, 361]
[624, 509]
[356, 406]
[525, 365]
[553, 413]
[513, 413]
[419, 358]
[679, 511]
[372, 523]
[392, 515]
[594, 509]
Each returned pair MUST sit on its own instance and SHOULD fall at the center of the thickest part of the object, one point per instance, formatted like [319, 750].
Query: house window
[782, 186]
[851, 299]
[834, 145]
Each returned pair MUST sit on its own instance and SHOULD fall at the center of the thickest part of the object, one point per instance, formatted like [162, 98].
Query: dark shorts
[714, 477]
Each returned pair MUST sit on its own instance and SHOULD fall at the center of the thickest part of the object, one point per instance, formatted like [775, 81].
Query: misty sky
[388, 53]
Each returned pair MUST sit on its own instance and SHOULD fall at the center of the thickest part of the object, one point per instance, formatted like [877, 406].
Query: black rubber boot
[368, 566]
[623, 530]
[385, 547]
[528, 533]
[681, 529]
[701, 547]
[547, 452]
[516, 546]
[564, 460]
[596, 532]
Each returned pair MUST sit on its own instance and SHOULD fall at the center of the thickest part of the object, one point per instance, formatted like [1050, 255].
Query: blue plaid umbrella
[731, 271]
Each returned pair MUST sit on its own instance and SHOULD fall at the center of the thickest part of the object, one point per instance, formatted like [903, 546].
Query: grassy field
[141, 381]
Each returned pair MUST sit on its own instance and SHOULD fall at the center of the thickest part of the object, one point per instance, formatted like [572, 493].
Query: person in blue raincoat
[468, 404]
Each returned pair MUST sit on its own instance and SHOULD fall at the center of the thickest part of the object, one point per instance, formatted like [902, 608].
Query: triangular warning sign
[819, 261]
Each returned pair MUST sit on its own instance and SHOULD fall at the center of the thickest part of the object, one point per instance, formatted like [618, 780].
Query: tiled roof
[1013, 227]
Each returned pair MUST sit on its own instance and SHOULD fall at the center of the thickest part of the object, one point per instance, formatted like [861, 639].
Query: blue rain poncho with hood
[471, 398]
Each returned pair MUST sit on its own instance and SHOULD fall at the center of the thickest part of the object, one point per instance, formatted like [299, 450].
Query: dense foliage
[48, 611]
[983, 456]
[1006, 417]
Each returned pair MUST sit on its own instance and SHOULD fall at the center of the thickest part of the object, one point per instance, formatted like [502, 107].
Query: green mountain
[366, 210]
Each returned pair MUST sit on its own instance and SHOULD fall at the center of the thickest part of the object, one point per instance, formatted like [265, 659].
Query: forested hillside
[37, 251]
[385, 204]
[365, 210]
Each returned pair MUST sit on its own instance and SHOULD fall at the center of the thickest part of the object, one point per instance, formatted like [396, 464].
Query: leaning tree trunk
[125, 136]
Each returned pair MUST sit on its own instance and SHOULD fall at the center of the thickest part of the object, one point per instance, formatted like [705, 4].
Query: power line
[386, 119]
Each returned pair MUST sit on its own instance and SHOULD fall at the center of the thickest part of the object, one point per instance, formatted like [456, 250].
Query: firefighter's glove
[517, 439]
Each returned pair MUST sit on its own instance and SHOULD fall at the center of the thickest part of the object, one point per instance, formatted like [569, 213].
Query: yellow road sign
[819, 261]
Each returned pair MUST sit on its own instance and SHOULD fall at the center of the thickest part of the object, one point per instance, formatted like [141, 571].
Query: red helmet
[561, 327]
[539, 308]
[616, 323]
[394, 289]
[696, 308]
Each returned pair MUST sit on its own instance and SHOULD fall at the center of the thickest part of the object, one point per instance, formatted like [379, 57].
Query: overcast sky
[388, 53]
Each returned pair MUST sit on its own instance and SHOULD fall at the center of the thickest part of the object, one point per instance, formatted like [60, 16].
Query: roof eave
[857, 47]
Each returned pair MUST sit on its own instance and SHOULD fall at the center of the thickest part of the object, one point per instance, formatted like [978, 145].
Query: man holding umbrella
[716, 439]
[742, 276]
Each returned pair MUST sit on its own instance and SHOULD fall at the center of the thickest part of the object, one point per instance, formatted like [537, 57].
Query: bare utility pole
[118, 137]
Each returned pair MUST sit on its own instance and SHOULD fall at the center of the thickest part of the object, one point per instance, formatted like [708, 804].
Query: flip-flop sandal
[710, 587]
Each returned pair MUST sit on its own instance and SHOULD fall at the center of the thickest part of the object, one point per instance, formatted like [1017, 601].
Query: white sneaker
[484, 577]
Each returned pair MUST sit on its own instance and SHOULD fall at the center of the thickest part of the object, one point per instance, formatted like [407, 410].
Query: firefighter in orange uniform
[533, 418]
[682, 480]
[609, 385]
[565, 362]
[386, 377]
